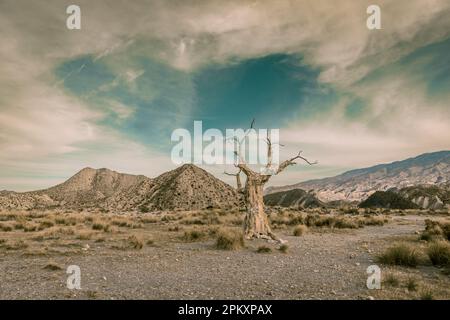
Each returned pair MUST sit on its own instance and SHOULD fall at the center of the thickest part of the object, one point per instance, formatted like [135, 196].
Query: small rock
[357, 264]
[370, 298]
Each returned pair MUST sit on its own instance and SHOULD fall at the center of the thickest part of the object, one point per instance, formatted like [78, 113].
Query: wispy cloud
[45, 124]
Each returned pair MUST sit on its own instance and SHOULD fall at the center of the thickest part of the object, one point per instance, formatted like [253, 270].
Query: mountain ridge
[355, 185]
[184, 188]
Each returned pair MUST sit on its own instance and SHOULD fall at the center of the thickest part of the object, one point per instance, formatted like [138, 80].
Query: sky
[110, 95]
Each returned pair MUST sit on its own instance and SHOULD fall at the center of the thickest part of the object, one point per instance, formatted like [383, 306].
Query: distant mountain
[387, 199]
[427, 196]
[296, 198]
[356, 185]
[185, 188]
[90, 186]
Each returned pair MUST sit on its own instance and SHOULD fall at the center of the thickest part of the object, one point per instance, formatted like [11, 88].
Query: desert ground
[200, 255]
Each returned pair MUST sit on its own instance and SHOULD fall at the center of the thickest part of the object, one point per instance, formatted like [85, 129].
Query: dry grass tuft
[400, 254]
[135, 242]
[411, 284]
[52, 267]
[264, 249]
[439, 253]
[392, 280]
[229, 240]
[193, 235]
[284, 248]
[300, 230]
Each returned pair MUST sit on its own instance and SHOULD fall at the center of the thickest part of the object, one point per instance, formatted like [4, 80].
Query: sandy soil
[321, 264]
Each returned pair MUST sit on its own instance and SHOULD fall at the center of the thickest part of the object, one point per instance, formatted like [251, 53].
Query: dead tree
[239, 188]
[238, 179]
[256, 223]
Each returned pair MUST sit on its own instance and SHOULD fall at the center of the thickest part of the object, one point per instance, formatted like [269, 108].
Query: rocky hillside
[91, 186]
[389, 200]
[296, 198]
[185, 188]
[356, 185]
[426, 196]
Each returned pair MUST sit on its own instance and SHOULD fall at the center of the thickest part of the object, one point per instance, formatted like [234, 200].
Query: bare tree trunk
[256, 223]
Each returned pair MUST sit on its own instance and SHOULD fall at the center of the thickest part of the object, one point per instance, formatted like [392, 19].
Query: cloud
[43, 126]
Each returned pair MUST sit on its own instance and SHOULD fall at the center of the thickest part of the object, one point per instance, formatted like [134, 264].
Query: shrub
[351, 211]
[229, 240]
[120, 223]
[411, 284]
[52, 267]
[342, 223]
[264, 249]
[84, 236]
[149, 220]
[195, 221]
[283, 248]
[236, 221]
[135, 242]
[29, 228]
[70, 221]
[101, 226]
[436, 229]
[17, 245]
[439, 253]
[5, 228]
[392, 280]
[400, 254]
[296, 220]
[193, 235]
[300, 230]
[373, 221]
[330, 222]
[426, 295]
[46, 224]
[426, 236]
[144, 209]
[18, 226]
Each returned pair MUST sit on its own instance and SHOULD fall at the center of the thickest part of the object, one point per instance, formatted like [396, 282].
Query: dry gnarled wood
[238, 179]
[256, 223]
